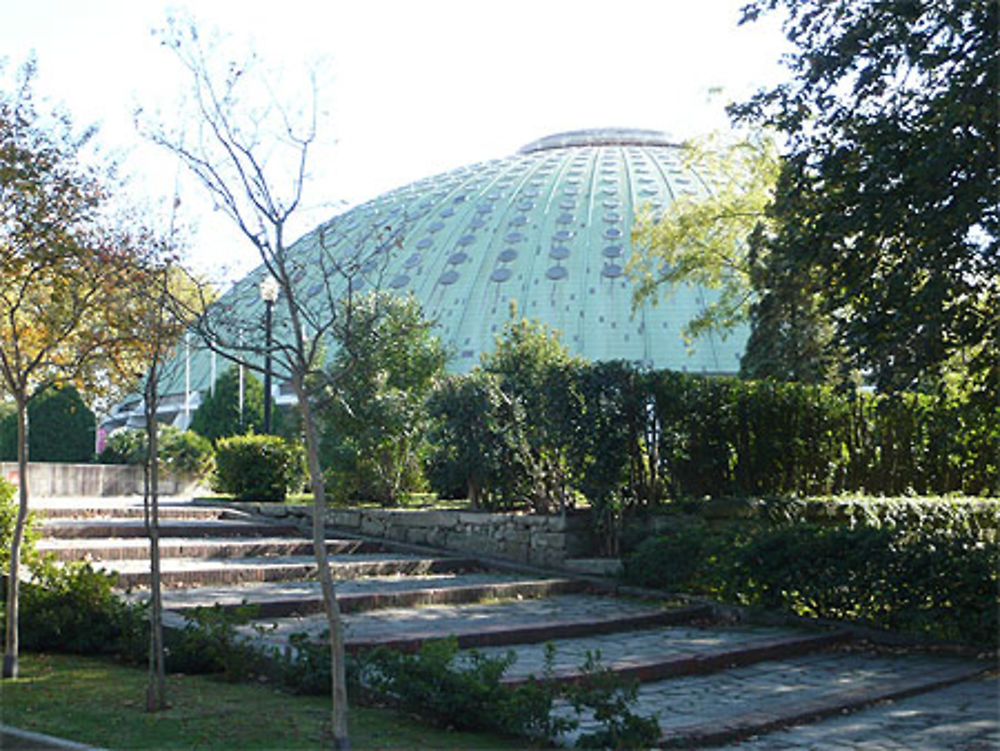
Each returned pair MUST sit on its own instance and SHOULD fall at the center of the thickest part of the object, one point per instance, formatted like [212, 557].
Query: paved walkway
[963, 717]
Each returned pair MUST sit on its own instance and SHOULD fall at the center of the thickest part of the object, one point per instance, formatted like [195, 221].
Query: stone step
[852, 693]
[487, 624]
[103, 528]
[194, 572]
[292, 599]
[653, 655]
[137, 548]
[741, 702]
[166, 511]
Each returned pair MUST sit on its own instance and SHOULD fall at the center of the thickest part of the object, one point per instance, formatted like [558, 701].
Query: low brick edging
[533, 539]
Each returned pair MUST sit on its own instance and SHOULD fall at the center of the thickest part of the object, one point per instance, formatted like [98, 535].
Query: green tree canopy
[886, 208]
[374, 425]
[218, 416]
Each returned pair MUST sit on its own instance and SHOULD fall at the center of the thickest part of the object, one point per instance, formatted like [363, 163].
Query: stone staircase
[708, 682]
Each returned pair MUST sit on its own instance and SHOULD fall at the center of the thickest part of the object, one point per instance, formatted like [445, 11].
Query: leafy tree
[63, 275]
[218, 416]
[384, 368]
[703, 239]
[886, 207]
[62, 427]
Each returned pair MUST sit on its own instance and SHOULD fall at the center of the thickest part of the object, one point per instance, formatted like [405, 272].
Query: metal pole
[268, 304]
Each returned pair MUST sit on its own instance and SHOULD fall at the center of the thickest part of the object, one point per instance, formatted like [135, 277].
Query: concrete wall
[53, 479]
[524, 538]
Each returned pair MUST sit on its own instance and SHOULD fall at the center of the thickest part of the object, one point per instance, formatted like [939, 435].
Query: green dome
[548, 228]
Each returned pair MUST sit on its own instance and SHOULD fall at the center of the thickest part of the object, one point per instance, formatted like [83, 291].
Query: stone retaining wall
[525, 538]
[54, 479]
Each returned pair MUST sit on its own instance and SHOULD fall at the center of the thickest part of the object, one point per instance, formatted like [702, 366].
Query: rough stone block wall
[525, 538]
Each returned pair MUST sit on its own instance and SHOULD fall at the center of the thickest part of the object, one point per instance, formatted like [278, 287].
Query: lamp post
[268, 293]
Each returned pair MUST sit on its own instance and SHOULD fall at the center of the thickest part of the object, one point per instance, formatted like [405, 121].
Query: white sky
[418, 86]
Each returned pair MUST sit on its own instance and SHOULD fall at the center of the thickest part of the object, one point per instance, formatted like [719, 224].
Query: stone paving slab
[726, 706]
[630, 654]
[137, 548]
[411, 593]
[962, 717]
[506, 622]
[167, 511]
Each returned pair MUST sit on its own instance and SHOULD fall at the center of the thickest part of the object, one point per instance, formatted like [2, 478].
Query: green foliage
[8, 518]
[61, 428]
[218, 416]
[603, 695]
[893, 229]
[702, 239]
[73, 609]
[181, 452]
[494, 430]
[458, 694]
[937, 581]
[376, 421]
[209, 642]
[257, 467]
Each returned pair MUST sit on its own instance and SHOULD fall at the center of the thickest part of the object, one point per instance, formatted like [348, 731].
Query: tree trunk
[156, 690]
[338, 682]
[11, 640]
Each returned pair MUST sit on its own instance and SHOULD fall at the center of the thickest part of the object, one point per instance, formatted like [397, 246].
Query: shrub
[61, 428]
[257, 467]
[182, 452]
[73, 609]
[934, 582]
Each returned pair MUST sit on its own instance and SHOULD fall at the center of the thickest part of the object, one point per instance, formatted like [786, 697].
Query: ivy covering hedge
[923, 568]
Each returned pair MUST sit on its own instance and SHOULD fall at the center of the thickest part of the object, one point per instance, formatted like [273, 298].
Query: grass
[99, 702]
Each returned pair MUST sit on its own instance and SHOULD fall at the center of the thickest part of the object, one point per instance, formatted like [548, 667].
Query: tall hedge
[626, 437]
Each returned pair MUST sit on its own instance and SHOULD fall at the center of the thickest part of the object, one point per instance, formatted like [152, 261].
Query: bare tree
[158, 310]
[243, 152]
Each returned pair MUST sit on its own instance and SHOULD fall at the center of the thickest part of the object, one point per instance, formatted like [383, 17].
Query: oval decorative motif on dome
[564, 219]
[435, 226]
[612, 233]
[612, 271]
[563, 235]
[400, 280]
[612, 251]
[507, 255]
[557, 273]
[559, 252]
[448, 277]
[519, 221]
[413, 260]
[424, 242]
[466, 240]
[612, 216]
[513, 237]
[501, 275]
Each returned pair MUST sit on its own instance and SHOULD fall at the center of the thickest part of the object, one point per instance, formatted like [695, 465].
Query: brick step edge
[130, 528]
[649, 670]
[126, 513]
[735, 728]
[297, 572]
[405, 598]
[227, 547]
[534, 633]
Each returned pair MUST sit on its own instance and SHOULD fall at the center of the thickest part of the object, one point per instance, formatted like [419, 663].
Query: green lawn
[101, 703]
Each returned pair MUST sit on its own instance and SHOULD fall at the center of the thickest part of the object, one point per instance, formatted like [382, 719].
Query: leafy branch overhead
[702, 238]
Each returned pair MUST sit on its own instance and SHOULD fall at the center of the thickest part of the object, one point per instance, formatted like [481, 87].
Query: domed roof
[548, 227]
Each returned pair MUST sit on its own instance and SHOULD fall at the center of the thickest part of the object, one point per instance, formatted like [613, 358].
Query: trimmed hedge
[928, 570]
[257, 467]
